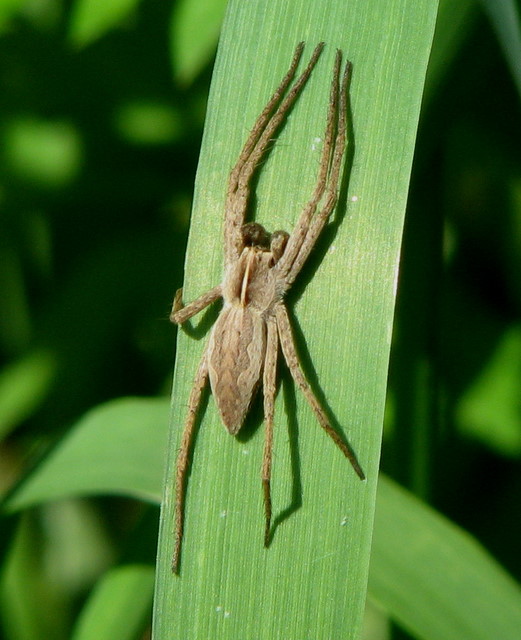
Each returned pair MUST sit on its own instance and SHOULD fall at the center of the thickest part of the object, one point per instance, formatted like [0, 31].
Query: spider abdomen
[236, 351]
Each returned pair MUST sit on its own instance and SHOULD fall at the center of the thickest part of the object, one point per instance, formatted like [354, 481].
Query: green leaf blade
[118, 606]
[320, 548]
[435, 579]
[112, 449]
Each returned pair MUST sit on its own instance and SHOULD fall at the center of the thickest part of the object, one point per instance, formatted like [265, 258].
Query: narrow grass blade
[311, 582]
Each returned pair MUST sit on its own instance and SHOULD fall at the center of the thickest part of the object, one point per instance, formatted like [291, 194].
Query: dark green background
[99, 147]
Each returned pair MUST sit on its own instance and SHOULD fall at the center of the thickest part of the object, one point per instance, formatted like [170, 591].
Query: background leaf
[194, 33]
[22, 387]
[418, 555]
[505, 18]
[7, 9]
[118, 606]
[91, 19]
[113, 449]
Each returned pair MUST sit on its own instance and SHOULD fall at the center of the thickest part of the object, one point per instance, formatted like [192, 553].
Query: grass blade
[320, 551]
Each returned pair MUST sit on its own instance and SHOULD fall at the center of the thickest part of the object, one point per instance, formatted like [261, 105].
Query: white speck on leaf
[316, 143]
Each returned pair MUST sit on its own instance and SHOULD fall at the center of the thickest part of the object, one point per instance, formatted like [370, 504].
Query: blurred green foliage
[99, 145]
[100, 125]
[456, 361]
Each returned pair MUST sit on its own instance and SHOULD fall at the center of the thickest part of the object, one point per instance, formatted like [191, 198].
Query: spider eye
[279, 240]
[255, 235]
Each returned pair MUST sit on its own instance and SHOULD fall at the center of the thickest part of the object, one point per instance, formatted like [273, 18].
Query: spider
[259, 268]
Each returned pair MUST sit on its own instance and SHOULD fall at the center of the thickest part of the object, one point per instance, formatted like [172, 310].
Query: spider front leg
[260, 137]
[290, 355]
[269, 383]
[181, 313]
[311, 223]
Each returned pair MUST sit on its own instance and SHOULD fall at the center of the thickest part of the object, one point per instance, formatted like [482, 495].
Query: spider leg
[265, 116]
[310, 223]
[290, 355]
[255, 146]
[183, 457]
[269, 388]
[181, 314]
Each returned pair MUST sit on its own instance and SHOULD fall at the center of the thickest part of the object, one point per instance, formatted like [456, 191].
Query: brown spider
[259, 268]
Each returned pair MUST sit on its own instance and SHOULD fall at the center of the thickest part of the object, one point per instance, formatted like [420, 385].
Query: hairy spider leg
[269, 384]
[311, 223]
[290, 355]
[183, 457]
[251, 154]
[181, 313]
